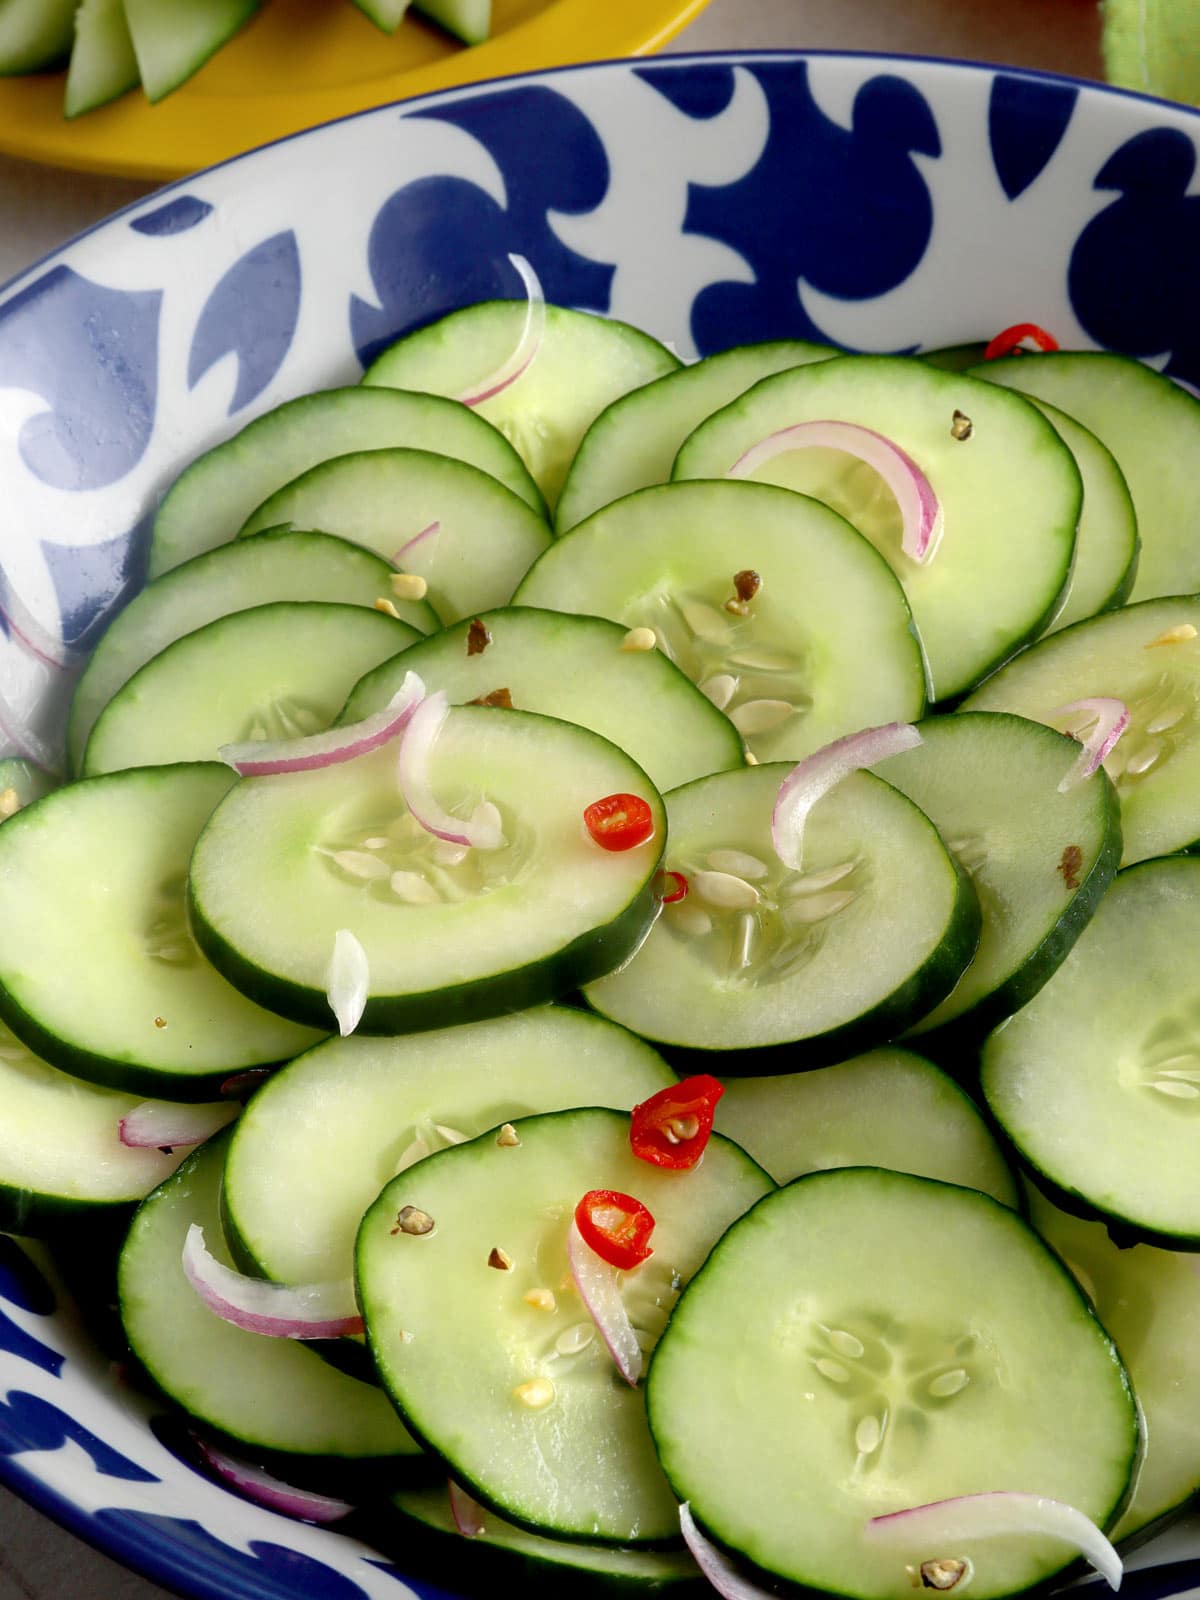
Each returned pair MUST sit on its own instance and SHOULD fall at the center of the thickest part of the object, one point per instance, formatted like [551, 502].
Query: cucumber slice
[468, 20]
[824, 648]
[60, 1154]
[318, 1142]
[865, 1341]
[1152, 428]
[633, 442]
[780, 969]
[271, 1396]
[21, 783]
[34, 34]
[210, 501]
[1097, 1080]
[463, 936]
[174, 38]
[1004, 558]
[572, 667]
[272, 672]
[889, 1108]
[583, 363]
[501, 1554]
[279, 565]
[487, 537]
[1149, 1300]
[1040, 860]
[103, 63]
[452, 1339]
[1147, 655]
[99, 973]
[385, 14]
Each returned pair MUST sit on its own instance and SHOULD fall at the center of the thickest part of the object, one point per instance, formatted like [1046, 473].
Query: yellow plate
[302, 62]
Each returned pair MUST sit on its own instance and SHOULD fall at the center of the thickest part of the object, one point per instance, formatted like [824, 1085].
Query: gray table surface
[41, 207]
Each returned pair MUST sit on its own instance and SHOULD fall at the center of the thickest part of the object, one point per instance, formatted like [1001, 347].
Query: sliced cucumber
[573, 667]
[1147, 656]
[452, 1338]
[271, 672]
[582, 364]
[633, 442]
[486, 537]
[34, 34]
[1152, 428]
[319, 1141]
[174, 38]
[21, 783]
[824, 648]
[103, 63]
[1004, 558]
[887, 1109]
[1040, 858]
[462, 934]
[468, 20]
[279, 565]
[385, 14]
[124, 998]
[779, 969]
[1097, 1080]
[269, 1395]
[211, 500]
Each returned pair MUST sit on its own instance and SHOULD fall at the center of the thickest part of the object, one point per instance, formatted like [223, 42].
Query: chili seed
[409, 586]
[639, 639]
[540, 1299]
[500, 1259]
[961, 426]
[410, 1219]
[387, 608]
[508, 1136]
[478, 637]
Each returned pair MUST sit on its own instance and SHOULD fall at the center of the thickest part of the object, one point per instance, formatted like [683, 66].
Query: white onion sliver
[271, 1492]
[348, 981]
[1110, 718]
[817, 774]
[920, 509]
[260, 758]
[716, 1565]
[161, 1125]
[277, 1310]
[600, 1290]
[527, 345]
[468, 1514]
[942, 1524]
[482, 829]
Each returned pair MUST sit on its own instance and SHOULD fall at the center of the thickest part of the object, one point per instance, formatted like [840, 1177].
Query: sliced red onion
[716, 1565]
[943, 1524]
[599, 1288]
[406, 551]
[260, 758]
[823, 770]
[17, 732]
[526, 347]
[1183, 383]
[159, 1125]
[348, 980]
[51, 649]
[920, 509]
[1110, 718]
[482, 829]
[278, 1310]
[468, 1514]
[271, 1492]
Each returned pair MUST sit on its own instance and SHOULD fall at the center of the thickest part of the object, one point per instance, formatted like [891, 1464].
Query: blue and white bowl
[884, 204]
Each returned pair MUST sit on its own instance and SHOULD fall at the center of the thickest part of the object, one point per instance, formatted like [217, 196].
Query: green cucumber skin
[53, 1216]
[592, 955]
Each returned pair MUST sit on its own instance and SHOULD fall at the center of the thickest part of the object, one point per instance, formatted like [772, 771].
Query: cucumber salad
[618, 959]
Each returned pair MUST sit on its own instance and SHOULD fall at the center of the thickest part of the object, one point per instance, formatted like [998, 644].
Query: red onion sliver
[425, 536]
[468, 1514]
[599, 1288]
[48, 648]
[526, 347]
[348, 980]
[1182, 383]
[1110, 718]
[265, 1490]
[260, 758]
[482, 830]
[278, 1310]
[943, 1524]
[160, 1125]
[716, 1565]
[920, 509]
[817, 774]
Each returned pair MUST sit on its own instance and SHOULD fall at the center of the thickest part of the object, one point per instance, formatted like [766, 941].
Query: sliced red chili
[616, 1226]
[619, 821]
[672, 887]
[672, 1128]
[1013, 338]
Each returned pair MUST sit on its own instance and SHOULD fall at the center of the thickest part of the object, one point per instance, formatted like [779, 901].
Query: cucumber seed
[536, 1394]
[639, 639]
[508, 1136]
[409, 586]
[1177, 635]
[387, 608]
[540, 1299]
